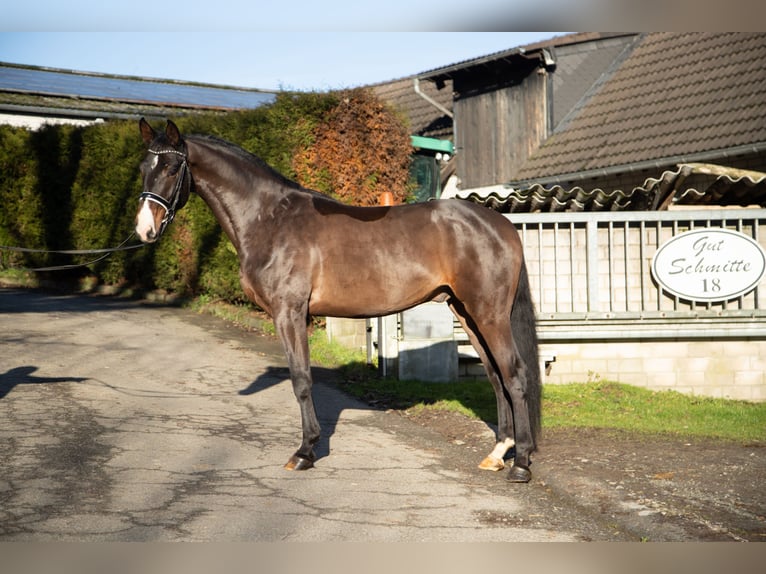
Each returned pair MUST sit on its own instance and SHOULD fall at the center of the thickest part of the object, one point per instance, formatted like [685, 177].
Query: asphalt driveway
[126, 421]
[130, 422]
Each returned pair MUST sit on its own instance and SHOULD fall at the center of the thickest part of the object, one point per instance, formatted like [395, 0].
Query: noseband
[171, 205]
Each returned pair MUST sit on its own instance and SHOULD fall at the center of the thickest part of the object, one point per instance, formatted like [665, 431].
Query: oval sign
[709, 265]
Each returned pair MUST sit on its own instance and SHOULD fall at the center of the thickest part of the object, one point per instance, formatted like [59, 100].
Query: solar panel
[57, 83]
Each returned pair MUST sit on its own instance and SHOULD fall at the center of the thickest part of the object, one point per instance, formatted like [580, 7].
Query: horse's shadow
[328, 402]
[23, 376]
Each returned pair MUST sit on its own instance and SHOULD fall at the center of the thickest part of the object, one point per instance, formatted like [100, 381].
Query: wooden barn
[592, 121]
[605, 149]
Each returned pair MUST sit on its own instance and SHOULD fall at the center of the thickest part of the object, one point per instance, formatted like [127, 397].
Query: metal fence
[591, 277]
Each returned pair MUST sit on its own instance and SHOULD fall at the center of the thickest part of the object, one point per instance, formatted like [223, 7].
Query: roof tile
[425, 119]
[677, 94]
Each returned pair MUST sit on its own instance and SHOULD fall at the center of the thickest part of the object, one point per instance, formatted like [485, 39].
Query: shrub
[362, 148]
[66, 187]
[21, 221]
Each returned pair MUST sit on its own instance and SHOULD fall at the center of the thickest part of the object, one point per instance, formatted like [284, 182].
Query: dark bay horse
[302, 253]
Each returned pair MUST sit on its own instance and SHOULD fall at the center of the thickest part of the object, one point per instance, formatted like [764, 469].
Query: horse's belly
[365, 281]
[366, 301]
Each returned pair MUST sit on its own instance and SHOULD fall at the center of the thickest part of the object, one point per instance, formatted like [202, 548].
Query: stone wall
[732, 369]
[350, 333]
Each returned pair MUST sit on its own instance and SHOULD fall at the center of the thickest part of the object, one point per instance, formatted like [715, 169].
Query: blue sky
[265, 60]
[292, 15]
[314, 44]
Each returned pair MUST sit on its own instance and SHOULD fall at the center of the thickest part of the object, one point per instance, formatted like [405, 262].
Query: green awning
[432, 144]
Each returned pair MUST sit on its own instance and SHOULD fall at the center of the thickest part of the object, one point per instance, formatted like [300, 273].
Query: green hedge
[66, 187]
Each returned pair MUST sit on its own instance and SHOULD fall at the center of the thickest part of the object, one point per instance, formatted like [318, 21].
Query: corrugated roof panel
[689, 184]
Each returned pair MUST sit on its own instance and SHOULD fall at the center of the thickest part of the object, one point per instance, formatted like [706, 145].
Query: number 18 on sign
[709, 265]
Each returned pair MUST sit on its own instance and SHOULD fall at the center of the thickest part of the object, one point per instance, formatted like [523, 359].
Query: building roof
[689, 184]
[676, 97]
[510, 55]
[426, 119]
[430, 120]
[677, 107]
[36, 90]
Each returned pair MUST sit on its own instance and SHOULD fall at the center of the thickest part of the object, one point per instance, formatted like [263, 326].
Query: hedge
[67, 187]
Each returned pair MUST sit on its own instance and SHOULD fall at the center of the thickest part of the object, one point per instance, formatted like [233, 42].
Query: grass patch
[333, 355]
[244, 315]
[605, 405]
[618, 406]
[18, 278]
[474, 399]
[602, 404]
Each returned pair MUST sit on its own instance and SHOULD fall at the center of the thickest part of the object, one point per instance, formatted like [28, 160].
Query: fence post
[591, 260]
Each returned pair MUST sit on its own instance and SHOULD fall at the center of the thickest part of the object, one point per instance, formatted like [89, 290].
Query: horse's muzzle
[146, 224]
[150, 236]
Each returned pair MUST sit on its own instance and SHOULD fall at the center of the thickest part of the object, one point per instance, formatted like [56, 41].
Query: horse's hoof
[299, 463]
[519, 473]
[492, 463]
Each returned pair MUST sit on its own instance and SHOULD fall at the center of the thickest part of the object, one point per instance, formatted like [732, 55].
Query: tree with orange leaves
[361, 150]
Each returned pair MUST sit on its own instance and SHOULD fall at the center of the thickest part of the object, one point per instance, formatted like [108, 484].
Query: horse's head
[167, 180]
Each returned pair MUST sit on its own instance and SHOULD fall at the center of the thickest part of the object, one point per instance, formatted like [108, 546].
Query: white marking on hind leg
[502, 448]
[494, 460]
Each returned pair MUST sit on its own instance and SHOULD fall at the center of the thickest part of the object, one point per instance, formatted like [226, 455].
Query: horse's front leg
[291, 328]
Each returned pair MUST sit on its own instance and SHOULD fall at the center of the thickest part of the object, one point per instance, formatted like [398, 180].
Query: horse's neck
[236, 194]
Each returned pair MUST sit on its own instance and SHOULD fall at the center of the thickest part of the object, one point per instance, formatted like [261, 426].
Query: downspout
[441, 108]
[429, 99]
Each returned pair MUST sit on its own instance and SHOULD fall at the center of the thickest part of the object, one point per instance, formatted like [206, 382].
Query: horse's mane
[247, 157]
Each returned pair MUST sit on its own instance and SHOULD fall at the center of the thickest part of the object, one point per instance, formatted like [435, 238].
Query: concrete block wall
[351, 333]
[732, 369]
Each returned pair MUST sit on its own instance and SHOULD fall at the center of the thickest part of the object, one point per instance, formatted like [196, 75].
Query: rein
[171, 205]
[106, 253]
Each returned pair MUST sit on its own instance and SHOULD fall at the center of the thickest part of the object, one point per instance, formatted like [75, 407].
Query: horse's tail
[523, 326]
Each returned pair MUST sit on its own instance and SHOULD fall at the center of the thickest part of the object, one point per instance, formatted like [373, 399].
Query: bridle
[170, 205]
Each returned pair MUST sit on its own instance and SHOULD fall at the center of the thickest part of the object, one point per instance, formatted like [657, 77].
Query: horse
[302, 254]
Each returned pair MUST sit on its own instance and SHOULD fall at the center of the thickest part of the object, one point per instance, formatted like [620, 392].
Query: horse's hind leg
[495, 460]
[507, 372]
[291, 328]
[506, 359]
[523, 378]
[516, 385]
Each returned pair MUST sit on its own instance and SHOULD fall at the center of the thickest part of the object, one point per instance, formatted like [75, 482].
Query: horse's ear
[173, 134]
[147, 132]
